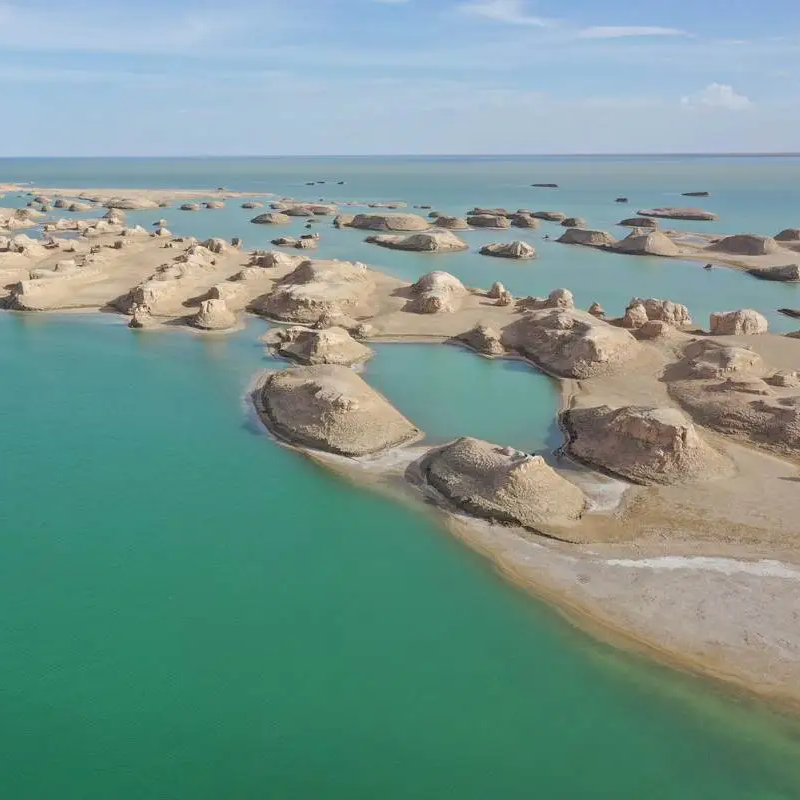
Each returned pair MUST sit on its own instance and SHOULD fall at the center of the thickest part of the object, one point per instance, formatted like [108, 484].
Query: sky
[364, 77]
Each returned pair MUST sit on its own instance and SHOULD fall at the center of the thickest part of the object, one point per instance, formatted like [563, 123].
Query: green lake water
[189, 611]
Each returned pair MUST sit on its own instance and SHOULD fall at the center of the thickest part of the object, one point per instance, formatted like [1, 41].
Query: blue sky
[195, 77]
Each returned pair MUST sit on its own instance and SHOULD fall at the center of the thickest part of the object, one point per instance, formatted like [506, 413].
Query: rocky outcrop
[654, 243]
[141, 319]
[638, 222]
[452, 223]
[673, 314]
[550, 216]
[635, 316]
[251, 204]
[574, 222]
[746, 244]
[317, 288]
[503, 485]
[190, 207]
[744, 322]
[586, 237]
[214, 315]
[389, 222]
[691, 214]
[129, 203]
[271, 218]
[437, 292]
[642, 444]
[709, 359]
[331, 408]
[428, 242]
[343, 220]
[596, 310]
[571, 343]
[788, 235]
[485, 339]
[211, 205]
[313, 346]
[789, 273]
[488, 221]
[524, 220]
[517, 250]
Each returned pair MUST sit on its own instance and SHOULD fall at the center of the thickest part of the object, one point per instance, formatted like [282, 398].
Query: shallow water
[188, 610]
[191, 611]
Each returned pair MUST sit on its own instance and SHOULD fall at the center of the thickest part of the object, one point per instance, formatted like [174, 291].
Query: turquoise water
[190, 611]
[750, 194]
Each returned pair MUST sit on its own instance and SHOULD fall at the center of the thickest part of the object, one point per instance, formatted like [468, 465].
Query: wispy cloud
[513, 12]
[717, 95]
[622, 31]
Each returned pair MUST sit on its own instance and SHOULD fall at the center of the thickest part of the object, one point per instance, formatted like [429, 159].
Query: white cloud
[621, 31]
[511, 11]
[717, 95]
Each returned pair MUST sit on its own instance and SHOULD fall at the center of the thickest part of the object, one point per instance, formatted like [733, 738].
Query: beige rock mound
[596, 310]
[190, 207]
[428, 242]
[141, 319]
[788, 235]
[389, 222]
[691, 214]
[574, 222]
[343, 220]
[435, 293]
[746, 244]
[788, 273]
[212, 205]
[316, 288]
[654, 243]
[550, 216]
[503, 485]
[744, 322]
[571, 343]
[485, 339]
[251, 204]
[452, 223]
[709, 359]
[271, 218]
[673, 314]
[331, 408]
[558, 298]
[517, 250]
[644, 445]
[488, 221]
[326, 346]
[638, 222]
[524, 220]
[587, 237]
[130, 203]
[214, 315]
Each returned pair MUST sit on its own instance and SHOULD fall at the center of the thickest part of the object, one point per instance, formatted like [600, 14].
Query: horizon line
[718, 154]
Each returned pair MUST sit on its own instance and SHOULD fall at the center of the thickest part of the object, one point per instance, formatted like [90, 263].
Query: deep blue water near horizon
[190, 611]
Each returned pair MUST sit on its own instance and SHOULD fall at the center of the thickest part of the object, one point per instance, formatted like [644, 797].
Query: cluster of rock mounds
[733, 391]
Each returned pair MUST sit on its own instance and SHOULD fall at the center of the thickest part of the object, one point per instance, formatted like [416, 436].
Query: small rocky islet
[676, 413]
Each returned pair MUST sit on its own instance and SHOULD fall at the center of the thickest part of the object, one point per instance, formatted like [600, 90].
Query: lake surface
[190, 611]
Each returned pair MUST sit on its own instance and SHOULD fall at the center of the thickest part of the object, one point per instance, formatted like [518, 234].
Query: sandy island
[671, 515]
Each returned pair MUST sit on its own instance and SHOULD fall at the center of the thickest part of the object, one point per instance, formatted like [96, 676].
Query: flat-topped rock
[503, 485]
[485, 339]
[709, 359]
[638, 222]
[788, 273]
[312, 346]
[524, 220]
[328, 407]
[389, 222]
[488, 221]
[788, 235]
[653, 243]
[744, 322]
[453, 223]
[574, 222]
[251, 204]
[571, 343]
[550, 216]
[130, 203]
[691, 214]
[746, 244]
[272, 218]
[516, 250]
[643, 444]
[214, 315]
[443, 241]
[586, 237]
